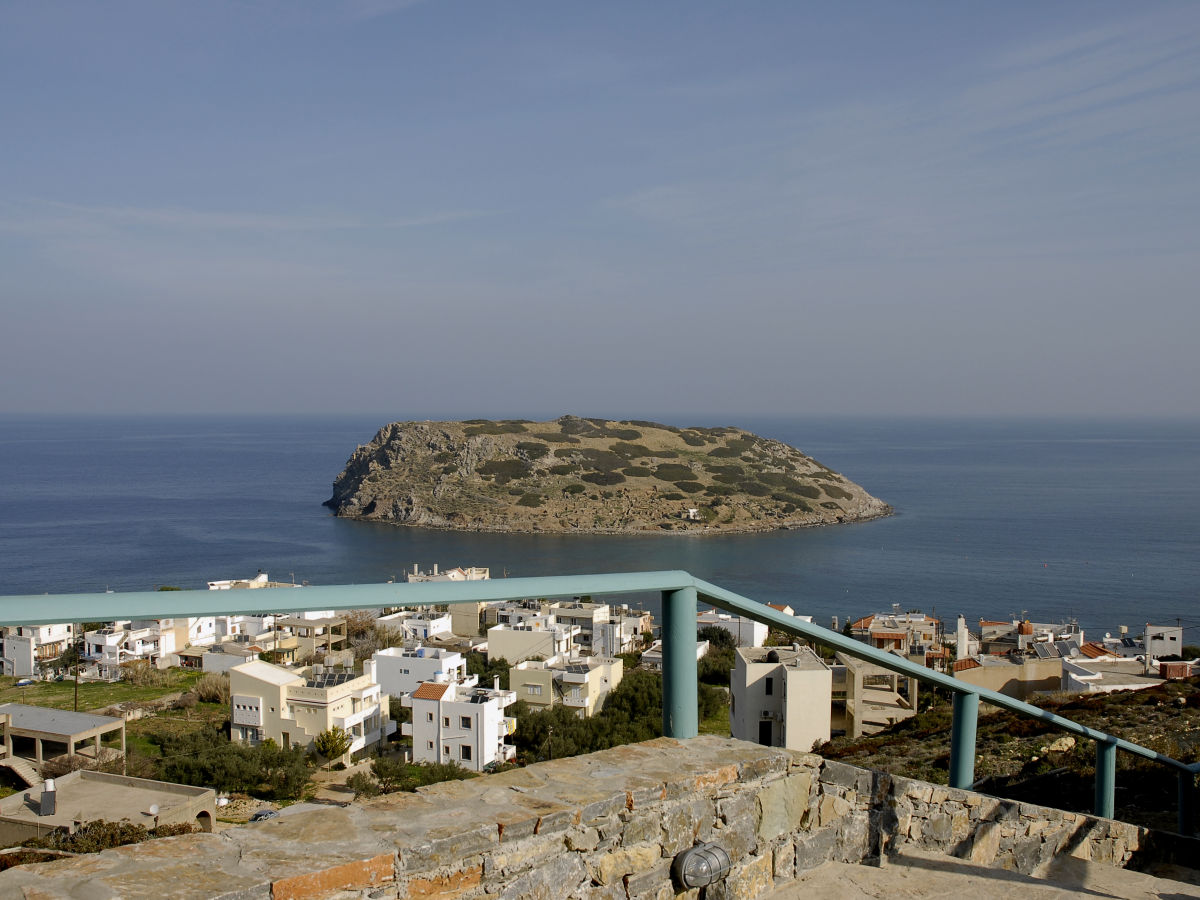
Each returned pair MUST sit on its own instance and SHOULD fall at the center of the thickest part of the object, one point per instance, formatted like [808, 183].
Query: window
[534, 690]
[430, 744]
[464, 722]
[770, 686]
[446, 751]
[464, 752]
[428, 717]
[445, 721]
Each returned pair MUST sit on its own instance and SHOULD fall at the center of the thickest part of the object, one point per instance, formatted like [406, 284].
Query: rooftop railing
[680, 592]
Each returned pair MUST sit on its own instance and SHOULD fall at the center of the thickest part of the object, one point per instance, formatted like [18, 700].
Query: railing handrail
[47, 609]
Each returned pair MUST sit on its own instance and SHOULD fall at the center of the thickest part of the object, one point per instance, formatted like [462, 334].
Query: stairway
[25, 770]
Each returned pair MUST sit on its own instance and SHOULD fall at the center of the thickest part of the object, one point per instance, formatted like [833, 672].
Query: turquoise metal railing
[680, 596]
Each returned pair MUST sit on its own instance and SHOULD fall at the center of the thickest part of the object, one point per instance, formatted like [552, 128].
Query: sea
[1092, 521]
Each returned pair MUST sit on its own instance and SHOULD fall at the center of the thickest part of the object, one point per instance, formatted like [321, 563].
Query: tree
[487, 669]
[333, 743]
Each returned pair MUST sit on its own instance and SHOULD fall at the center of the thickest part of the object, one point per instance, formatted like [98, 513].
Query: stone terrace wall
[598, 827]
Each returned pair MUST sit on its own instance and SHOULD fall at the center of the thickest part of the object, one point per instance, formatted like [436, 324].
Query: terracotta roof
[962, 664]
[778, 606]
[992, 622]
[1093, 650]
[890, 635]
[430, 690]
[864, 622]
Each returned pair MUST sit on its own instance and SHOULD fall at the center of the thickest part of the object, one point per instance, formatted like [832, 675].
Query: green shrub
[837, 493]
[717, 469]
[564, 469]
[363, 785]
[508, 427]
[510, 468]
[829, 504]
[689, 487]
[532, 449]
[333, 743]
[720, 490]
[530, 499]
[604, 460]
[555, 437]
[636, 472]
[692, 440]
[673, 472]
[631, 451]
[674, 495]
[724, 453]
[754, 489]
[575, 488]
[603, 478]
[444, 456]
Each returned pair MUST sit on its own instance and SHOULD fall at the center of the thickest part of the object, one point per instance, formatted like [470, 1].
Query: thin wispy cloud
[55, 217]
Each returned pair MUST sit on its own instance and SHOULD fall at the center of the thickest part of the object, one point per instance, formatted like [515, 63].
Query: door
[764, 732]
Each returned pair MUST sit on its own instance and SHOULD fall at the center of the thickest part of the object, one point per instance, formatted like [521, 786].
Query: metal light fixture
[701, 865]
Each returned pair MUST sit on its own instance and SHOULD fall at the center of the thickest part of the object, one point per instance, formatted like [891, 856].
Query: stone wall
[598, 827]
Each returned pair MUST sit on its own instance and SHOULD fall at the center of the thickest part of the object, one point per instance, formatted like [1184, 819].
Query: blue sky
[453, 208]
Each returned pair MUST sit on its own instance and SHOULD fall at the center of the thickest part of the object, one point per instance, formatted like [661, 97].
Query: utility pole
[75, 647]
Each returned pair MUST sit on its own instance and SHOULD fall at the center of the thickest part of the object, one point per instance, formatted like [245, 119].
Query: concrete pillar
[680, 692]
[1106, 779]
[96, 741]
[37, 750]
[962, 740]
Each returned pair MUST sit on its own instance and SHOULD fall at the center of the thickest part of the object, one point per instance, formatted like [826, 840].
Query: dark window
[770, 686]
[465, 751]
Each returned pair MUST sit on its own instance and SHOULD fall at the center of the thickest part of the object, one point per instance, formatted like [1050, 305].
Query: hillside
[595, 476]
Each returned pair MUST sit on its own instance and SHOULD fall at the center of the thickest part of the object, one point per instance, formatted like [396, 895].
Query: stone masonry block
[783, 806]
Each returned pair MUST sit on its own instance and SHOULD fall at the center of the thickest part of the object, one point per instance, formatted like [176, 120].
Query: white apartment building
[420, 625]
[452, 723]
[400, 670]
[588, 616]
[780, 697]
[293, 706]
[653, 657]
[746, 632]
[458, 573]
[581, 683]
[538, 636]
[25, 649]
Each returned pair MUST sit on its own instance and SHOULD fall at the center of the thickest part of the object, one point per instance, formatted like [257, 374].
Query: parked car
[263, 814]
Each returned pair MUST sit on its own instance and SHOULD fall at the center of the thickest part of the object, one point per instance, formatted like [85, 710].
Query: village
[389, 698]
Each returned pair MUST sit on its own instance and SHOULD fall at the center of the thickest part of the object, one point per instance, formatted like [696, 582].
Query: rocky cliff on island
[591, 476]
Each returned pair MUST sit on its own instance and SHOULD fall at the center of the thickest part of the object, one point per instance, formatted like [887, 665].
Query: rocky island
[591, 476]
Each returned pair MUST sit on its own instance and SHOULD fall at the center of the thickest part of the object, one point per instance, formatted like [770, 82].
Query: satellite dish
[154, 809]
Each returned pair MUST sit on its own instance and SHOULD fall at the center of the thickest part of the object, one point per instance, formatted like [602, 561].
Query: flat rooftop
[55, 721]
[87, 795]
[802, 658]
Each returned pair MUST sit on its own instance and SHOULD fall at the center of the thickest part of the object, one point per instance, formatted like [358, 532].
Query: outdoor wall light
[701, 865]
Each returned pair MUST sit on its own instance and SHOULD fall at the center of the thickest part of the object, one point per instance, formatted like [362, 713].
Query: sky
[453, 209]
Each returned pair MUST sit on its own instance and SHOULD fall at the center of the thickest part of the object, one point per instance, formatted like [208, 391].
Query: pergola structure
[57, 726]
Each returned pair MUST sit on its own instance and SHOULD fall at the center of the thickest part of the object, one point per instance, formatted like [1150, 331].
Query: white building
[400, 671]
[456, 724]
[26, 649]
[588, 616]
[293, 706]
[539, 636]
[780, 697]
[746, 632]
[653, 657]
[419, 625]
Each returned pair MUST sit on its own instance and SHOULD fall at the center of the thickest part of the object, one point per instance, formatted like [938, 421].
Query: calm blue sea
[1094, 520]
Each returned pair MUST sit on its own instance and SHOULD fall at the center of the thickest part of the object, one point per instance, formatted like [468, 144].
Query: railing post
[962, 740]
[1187, 803]
[680, 707]
[1106, 779]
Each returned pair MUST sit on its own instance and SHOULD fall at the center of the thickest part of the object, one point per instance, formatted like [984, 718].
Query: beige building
[780, 697]
[1019, 678]
[293, 706]
[581, 684]
[84, 796]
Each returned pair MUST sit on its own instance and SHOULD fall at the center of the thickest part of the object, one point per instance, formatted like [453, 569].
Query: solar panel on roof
[1042, 650]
